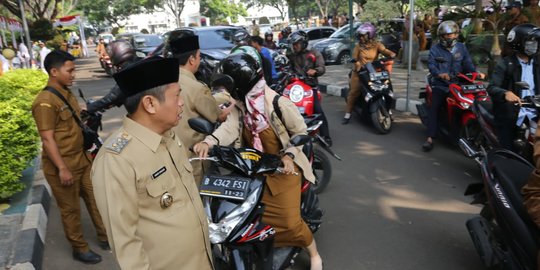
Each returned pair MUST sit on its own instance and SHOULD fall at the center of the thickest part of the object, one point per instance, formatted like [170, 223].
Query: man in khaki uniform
[65, 163]
[143, 180]
[198, 99]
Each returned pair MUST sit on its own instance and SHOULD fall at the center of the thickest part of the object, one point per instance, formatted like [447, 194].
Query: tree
[175, 7]
[323, 6]
[280, 5]
[221, 11]
[40, 9]
[294, 5]
[375, 10]
[115, 11]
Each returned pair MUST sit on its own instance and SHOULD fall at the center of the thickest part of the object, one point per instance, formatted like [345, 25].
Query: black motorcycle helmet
[121, 52]
[520, 36]
[241, 38]
[244, 70]
[299, 36]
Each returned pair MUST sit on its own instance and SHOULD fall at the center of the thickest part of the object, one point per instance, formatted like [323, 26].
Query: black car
[215, 43]
[144, 43]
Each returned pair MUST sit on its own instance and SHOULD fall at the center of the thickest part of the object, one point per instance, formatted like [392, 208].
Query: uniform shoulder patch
[118, 143]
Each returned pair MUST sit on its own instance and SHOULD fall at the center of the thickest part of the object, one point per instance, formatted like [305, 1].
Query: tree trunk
[477, 23]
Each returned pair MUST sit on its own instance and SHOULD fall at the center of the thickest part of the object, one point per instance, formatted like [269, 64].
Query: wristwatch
[291, 155]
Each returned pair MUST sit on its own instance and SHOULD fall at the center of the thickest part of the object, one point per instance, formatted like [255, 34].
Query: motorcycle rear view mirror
[222, 80]
[300, 140]
[523, 85]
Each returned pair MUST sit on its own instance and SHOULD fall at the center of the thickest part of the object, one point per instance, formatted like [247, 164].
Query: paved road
[388, 206]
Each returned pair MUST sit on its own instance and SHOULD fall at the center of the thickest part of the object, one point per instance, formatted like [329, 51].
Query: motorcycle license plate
[228, 187]
[379, 76]
[472, 88]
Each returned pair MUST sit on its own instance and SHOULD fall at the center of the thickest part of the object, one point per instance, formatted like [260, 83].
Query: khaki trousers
[68, 200]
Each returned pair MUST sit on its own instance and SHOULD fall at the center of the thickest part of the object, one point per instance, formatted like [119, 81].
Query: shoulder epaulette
[119, 142]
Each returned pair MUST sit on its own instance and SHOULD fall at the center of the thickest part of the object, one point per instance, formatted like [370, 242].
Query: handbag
[92, 141]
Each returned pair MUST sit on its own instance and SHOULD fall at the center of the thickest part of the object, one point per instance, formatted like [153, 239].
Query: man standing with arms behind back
[65, 163]
[199, 102]
[143, 180]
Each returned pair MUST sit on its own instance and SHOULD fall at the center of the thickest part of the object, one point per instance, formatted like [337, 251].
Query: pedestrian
[43, 51]
[532, 11]
[197, 97]
[257, 43]
[66, 165]
[513, 16]
[255, 31]
[143, 180]
[24, 55]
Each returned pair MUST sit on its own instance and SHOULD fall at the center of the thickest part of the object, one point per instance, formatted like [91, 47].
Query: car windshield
[147, 41]
[216, 39]
[343, 31]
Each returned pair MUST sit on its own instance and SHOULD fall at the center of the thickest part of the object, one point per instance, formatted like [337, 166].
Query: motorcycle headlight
[465, 105]
[297, 93]
[218, 232]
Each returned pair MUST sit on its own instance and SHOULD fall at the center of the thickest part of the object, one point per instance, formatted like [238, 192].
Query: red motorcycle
[301, 95]
[455, 120]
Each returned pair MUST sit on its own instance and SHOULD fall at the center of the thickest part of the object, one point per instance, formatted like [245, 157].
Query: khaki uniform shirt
[198, 102]
[368, 53]
[51, 113]
[131, 174]
[230, 131]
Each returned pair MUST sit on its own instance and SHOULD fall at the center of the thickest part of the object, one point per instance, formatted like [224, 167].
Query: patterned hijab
[256, 119]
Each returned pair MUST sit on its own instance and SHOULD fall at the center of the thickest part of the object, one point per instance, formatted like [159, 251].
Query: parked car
[336, 48]
[107, 38]
[145, 43]
[316, 34]
[215, 43]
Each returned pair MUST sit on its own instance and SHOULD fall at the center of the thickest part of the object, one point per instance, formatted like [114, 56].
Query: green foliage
[56, 42]
[41, 29]
[219, 11]
[19, 140]
[375, 10]
[114, 11]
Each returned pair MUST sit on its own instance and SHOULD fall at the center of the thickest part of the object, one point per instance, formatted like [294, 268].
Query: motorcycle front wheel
[322, 169]
[381, 120]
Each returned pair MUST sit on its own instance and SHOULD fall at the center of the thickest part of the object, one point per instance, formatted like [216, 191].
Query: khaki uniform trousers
[354, 91]
[67, 198]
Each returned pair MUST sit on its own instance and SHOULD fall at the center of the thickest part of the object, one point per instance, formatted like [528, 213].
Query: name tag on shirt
[159, 172]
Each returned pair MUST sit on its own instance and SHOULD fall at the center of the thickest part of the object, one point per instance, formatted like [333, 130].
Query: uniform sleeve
[293, 121]
[382, 49]
[114, 185]
[206, 105]
[228, 132]
[45, 115]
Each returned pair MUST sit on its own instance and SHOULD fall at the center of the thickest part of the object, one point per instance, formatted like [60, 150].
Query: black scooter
[240, 240]
[377, 98]
[504, 235]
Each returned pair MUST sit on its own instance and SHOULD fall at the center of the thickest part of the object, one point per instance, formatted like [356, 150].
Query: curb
[401, 103]
[30, 243]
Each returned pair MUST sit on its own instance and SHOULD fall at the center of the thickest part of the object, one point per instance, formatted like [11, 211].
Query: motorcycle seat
[485, 108]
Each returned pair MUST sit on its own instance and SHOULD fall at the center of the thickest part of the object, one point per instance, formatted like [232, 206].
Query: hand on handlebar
[201, 148]
[444, 76]
[511, 97]
[288, 164]
[311, 72]
[481, 75]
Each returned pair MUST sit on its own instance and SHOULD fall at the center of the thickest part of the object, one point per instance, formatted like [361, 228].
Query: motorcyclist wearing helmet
[255, 124]
[240, 38]
[198, 100]
[365, 51]
[267, 66]
[446, 59]
[121, 54]
[310, 65]
[269, 40]
[284, 34]
[522, 65]
[257, 43]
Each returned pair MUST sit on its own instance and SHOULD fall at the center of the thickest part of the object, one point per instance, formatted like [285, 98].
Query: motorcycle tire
[322, 169]
[381, 120]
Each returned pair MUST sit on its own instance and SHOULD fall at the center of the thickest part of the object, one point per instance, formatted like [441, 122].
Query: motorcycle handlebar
[215, 159]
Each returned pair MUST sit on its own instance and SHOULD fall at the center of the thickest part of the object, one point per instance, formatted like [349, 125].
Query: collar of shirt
[186, 73]
[148, 137]
[527, 76]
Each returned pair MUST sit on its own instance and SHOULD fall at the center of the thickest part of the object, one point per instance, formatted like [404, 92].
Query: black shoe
[104, 245]
[345, 121]
[427, 146]
[328, 141]
[88, 257]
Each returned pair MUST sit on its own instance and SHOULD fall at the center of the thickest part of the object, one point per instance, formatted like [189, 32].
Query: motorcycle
[377, 98]
[504, 235]
[322, 168]
[524, 136]
[455, 120]
[232, 202]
